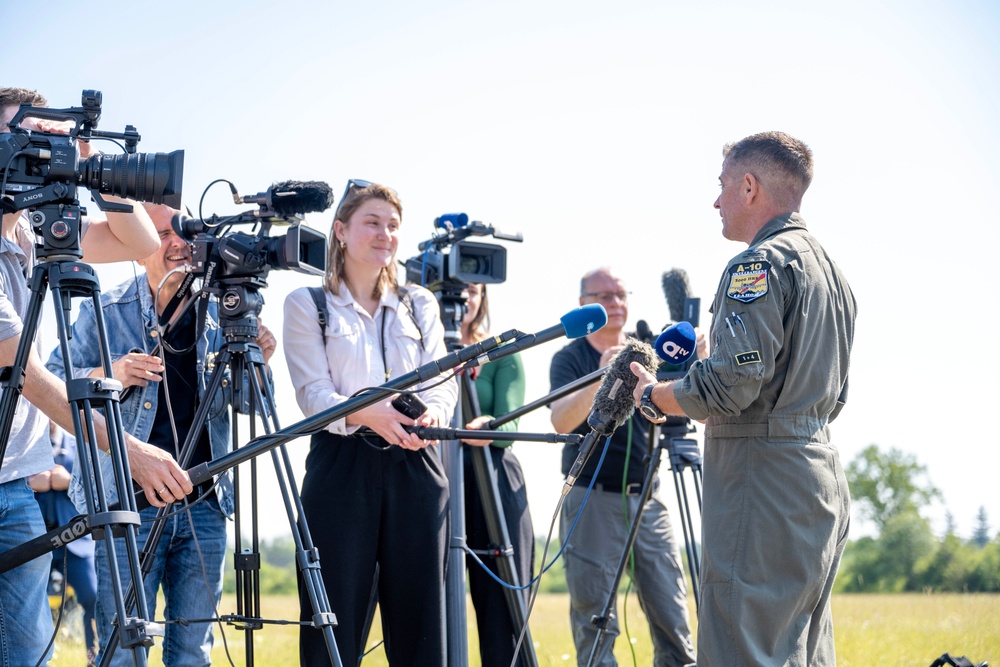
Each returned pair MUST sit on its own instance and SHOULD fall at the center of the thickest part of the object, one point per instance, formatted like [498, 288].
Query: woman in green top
[500, 389]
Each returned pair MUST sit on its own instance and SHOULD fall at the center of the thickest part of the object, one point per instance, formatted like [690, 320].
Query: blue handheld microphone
[676, 344]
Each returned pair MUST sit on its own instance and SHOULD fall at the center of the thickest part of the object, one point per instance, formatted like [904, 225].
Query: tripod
[452, 310]
[240, 363]
[58, 248]
[683, 454]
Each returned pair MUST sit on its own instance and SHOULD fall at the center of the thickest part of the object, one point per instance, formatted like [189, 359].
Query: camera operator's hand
[56, 127]
[157, 473]
[475, 425]
[135, 369]
[388, 423]
[265, 340]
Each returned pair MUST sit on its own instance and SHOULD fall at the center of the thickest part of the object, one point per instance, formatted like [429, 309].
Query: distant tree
[981, 535]
[949, 523]
[886, 485]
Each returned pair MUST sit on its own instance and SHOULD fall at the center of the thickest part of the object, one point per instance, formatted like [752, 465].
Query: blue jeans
[192, 583]
[25, 618]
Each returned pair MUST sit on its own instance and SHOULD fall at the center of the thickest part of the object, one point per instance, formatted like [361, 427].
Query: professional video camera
[218, 253]
[447, 262]
[234, 265]
[449, 259]
[41, 172]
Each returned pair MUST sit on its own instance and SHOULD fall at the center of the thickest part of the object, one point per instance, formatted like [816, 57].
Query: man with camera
[25, 619]
[776, 506]
[600, 535]
[165, 373]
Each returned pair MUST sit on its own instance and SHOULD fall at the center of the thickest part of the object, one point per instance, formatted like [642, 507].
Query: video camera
[448, 259]
[220, 254]
[41, 172]
[44, 167]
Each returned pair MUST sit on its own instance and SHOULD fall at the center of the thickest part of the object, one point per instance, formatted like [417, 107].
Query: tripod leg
[497, 530]
[84, 394]
[307, 554]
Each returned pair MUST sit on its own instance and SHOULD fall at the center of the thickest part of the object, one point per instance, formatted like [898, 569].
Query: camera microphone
[613, 403]
[291, 197]
[677, 343]
[450, 221]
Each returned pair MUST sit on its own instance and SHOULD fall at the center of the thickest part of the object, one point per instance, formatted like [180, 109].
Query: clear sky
[596, 130]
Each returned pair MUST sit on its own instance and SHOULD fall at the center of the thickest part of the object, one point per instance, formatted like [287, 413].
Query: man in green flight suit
[776, 506]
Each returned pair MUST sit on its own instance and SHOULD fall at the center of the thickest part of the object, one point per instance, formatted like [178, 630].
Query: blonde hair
[335, 256]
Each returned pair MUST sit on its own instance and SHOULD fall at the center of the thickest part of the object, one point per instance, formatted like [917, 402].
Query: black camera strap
[166, 321]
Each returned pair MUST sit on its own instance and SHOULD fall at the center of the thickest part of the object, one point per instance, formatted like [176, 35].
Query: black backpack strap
[407, 300]
[318, 295]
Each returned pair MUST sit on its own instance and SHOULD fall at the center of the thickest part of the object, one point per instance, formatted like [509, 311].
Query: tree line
[890, 488]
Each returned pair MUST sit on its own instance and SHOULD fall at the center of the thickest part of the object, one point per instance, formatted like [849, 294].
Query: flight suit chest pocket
[738, 347]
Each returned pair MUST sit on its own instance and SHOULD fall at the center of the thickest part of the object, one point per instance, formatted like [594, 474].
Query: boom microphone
[291, 197]
[613, 403]
[677, 343]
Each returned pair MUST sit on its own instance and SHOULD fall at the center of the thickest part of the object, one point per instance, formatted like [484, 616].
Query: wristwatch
[646, 405]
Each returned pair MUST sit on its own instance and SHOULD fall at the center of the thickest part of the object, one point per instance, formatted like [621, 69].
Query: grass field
[906, 630]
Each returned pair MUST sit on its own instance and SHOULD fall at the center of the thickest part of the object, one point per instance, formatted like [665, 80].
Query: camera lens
[148, 177]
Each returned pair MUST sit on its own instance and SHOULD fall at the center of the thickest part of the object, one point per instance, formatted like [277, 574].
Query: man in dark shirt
[599, 537]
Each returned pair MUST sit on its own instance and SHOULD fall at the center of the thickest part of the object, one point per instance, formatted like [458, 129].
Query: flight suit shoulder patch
[744, 358]
[747, 281]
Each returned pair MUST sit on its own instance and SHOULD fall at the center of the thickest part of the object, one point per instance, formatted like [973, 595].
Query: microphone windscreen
[677, 343]
[676, 289]
[613, 403]
[290, 197]
[584, 320]
[451, 220]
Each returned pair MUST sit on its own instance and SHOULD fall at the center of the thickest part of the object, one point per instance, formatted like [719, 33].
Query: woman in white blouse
[372, 499]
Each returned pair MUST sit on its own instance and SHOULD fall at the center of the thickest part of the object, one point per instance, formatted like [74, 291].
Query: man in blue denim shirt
[157, 406]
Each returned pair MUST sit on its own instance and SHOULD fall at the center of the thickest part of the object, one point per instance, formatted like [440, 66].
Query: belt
[633, 489]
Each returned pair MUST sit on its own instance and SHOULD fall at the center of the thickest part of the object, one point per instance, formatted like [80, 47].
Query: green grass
[908, 630]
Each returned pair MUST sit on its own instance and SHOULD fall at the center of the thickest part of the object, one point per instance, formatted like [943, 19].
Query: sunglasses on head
[352, 184]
